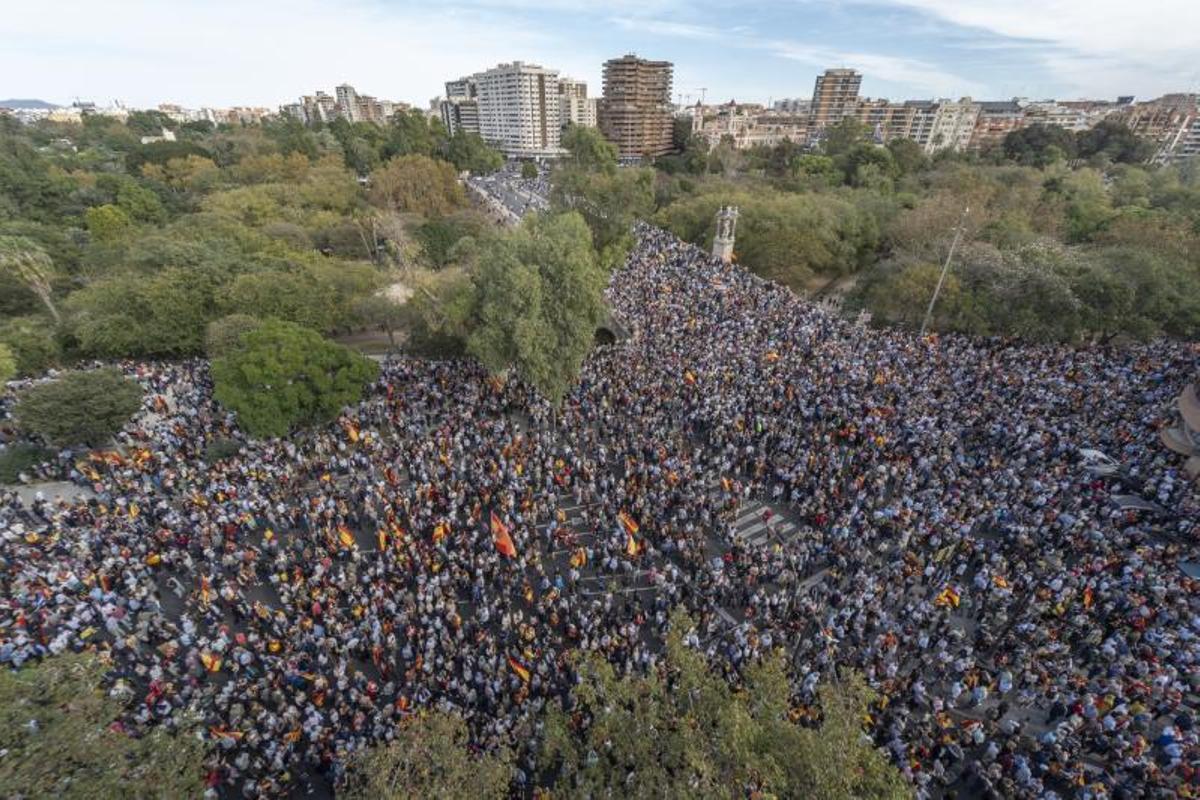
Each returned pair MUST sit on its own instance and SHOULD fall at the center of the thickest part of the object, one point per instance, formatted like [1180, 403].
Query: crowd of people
[450, 540]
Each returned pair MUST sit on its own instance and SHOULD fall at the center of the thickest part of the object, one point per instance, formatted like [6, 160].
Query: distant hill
[26, 104]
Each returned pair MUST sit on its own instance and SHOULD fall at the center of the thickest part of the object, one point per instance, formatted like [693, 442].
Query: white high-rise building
[347, 100]
[575, 107]
[953, 125]
[519, 109]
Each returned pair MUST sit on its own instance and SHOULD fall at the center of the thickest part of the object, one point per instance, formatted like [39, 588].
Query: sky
[267, 52]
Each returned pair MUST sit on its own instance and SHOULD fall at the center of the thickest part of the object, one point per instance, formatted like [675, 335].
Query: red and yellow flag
[689, 378]
[632, 546]
[1088, 597]
[345, 537]
[947, 597]
[211, 662]
[501, 538]
[441, 531]
[519, 668]
[630, 525]
[579, 558]
[205, 590]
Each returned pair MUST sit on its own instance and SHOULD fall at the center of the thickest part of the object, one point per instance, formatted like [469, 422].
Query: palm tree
[28, 262]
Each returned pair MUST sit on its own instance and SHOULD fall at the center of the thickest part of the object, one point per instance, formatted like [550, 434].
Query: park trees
[416, 184]
[608, 201]
[429, 758]
[8, 364]
[27, 262]
[57, 733]
[281, 376]
[685, 732]
[539, 298]
[84, 407]
[469, 153]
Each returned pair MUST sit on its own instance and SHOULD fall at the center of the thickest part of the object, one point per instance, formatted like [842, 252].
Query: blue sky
[265, 52]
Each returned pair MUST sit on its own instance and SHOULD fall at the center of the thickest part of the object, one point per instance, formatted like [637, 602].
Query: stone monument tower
[726, 228]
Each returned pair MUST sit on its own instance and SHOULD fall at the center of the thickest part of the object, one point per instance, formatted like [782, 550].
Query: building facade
[835, 97]
[518, 107]
[575, 107]
[636, 112]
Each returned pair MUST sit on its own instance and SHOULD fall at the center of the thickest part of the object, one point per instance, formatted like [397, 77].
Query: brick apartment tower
[835, 97]
[636, 113]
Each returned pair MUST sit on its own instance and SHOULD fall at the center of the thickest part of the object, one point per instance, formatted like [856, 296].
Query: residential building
[1168, 121]
[792, 105]
[346, 103]
[835, 97]
[518, 107]
[953, 125]
[996, 120]
[636, 112]
[575, 107]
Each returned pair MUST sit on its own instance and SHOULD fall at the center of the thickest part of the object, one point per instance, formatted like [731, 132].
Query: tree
[224, 335]
[908, 156]
[32, 342]
[468, 152]
[843, 137]
[283, 375]
[529, 171]
[416, 184]
[429, 758]
[1112, 140]
[8, 365]
[107, 223]
[382, 312]
[27, 262]
[539, 299]
[55, 731]
[609, 202]
[86, 407]
[587, 149]
[1039, 145]
[684, 732]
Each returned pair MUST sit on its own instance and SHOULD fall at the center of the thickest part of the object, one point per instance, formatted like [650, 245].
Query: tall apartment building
[953, 125]
[636, 112]
[518, 107]
[345, 103]
[1168, 121]
[347, 100]
[996, 120]
[460, 109]
[575, 107]
[835, 97]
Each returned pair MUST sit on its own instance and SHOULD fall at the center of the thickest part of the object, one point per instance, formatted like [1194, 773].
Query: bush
[221, 449]
[78, 408]
[19, 458]
[224, 334]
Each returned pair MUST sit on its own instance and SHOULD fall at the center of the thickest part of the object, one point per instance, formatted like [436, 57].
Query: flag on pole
[345, 537]
[519, 668]
[632, 546]
[631, 526]
[501, 538]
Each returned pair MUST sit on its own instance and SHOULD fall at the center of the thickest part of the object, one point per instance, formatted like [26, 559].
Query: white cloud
[225, 52]
[1096, 47]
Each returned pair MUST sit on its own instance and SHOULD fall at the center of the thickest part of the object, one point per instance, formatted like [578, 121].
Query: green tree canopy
[539, 297]
[8, 364]
[282, 376]
[86, 407]
[684, 732]
[54, 730]
[587, 149]
[416, 184]
[470, 153]
[428, 759]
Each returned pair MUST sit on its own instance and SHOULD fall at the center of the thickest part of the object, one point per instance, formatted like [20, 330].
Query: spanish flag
[631, 527]
[211, 662]
[352, 432]
[771, 357]
[389, 474]
[441, 531]
[947, 597]
[632, 546]
[1088, 597]
[519, 668]
[689, 378]
[134, 511]
[345, 537]
[579, 558]
[381, 537]
[500, 537]
[727, 484]
[205, 591]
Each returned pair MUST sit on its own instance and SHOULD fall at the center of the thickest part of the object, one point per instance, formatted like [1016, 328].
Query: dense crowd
[1026, 636]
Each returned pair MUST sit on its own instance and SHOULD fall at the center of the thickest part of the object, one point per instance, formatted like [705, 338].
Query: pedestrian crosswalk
[752, 530]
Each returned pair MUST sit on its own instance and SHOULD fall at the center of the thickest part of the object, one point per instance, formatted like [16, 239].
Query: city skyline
[194, 54]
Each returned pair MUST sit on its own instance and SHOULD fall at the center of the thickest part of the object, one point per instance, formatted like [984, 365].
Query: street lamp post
[945, 268]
